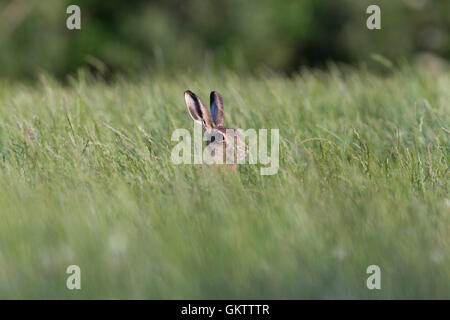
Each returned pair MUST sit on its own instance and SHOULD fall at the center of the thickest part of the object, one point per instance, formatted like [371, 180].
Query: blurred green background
[131, 36]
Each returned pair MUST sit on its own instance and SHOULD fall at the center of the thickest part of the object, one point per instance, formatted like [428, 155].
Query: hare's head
[213, 123]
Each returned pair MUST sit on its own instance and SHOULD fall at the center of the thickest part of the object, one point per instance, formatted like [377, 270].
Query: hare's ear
[197, 110]
[216, 103]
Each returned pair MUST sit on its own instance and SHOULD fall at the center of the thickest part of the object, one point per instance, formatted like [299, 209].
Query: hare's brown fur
[213, 123]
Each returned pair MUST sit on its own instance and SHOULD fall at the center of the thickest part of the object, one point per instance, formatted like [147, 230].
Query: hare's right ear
[197, 110]
[216, 102]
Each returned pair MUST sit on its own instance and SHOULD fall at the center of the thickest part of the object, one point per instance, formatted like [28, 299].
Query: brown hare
[226, 145]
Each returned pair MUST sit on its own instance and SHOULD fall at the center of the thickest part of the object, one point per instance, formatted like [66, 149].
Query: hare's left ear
[197, 110]
[217, 114]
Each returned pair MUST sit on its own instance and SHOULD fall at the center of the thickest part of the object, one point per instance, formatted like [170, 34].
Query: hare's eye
[217, 137]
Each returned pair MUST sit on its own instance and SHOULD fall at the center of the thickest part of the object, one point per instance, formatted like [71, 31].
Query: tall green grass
[86, 179]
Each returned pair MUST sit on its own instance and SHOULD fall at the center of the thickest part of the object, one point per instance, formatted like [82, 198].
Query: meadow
[86, 179]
